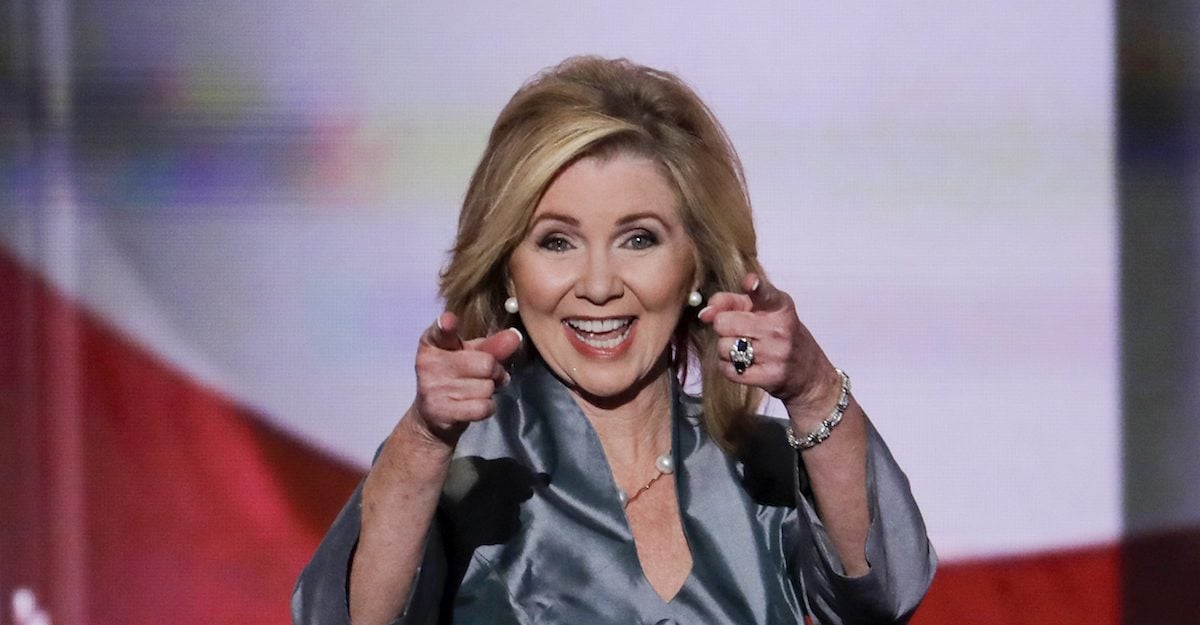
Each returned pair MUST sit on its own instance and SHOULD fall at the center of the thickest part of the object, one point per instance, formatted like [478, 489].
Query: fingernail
[520, 337]
[703, 310]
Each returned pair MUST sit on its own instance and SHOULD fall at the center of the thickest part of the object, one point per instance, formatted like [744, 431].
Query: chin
[603, 387]
[610, 383]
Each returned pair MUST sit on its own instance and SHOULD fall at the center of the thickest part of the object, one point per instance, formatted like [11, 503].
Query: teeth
[597, 325]
[607, 344]
[586, 329]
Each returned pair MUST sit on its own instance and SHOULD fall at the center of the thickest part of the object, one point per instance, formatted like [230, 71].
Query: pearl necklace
[664, 463]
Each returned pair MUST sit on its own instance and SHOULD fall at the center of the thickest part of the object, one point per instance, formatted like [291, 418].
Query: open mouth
[600, 334]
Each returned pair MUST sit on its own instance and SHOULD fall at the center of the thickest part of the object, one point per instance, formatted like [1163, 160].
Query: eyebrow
[552, 216]
[637, 216]
[567, 219]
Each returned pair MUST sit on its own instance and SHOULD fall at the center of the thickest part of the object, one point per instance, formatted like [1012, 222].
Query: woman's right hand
[455, 382]
[456, 378]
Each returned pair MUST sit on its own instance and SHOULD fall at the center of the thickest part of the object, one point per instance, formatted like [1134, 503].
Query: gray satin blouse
[530, 530]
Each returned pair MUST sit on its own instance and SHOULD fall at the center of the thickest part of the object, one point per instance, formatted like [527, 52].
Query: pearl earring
[695, 299]
[511, 305]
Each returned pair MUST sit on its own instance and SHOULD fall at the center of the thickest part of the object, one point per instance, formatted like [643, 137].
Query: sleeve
[901, 558]
[322, 592]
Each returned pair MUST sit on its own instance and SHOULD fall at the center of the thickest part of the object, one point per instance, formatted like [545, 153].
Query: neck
[636, 430]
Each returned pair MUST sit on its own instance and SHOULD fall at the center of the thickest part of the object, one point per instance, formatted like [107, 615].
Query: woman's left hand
[790, 365]
[787, 363]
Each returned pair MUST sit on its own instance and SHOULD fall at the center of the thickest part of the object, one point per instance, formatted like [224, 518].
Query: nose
[599, 282]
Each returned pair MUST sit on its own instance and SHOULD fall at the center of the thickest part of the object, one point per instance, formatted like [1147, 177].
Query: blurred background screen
[222, 223]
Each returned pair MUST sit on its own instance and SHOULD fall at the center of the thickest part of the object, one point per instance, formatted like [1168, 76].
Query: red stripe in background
[198, 512]
[1077, 587]
[195, 510]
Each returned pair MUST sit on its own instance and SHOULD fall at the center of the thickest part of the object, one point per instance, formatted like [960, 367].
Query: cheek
[538, 284]
[671, 278]
[663, 289]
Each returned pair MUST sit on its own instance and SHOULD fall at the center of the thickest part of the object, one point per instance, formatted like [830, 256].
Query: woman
[579, 484]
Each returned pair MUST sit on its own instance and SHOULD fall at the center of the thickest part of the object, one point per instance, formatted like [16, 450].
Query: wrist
[810, 437]
[411, 461]
[418, 437]
[808, 408]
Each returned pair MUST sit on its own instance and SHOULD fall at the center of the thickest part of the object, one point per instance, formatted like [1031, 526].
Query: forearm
[837, 472]
[400, 496]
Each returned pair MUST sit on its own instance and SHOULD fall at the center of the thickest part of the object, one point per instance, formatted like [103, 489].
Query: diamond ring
[742, 355]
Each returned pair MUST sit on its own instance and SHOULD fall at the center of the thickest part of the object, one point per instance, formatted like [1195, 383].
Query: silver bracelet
[818, 436]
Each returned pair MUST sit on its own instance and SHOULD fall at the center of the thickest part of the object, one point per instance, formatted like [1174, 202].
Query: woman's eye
[641, 241]
[555, 243]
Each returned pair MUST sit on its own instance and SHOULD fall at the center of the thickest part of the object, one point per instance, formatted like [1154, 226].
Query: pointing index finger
[443, 334]
[763, 295]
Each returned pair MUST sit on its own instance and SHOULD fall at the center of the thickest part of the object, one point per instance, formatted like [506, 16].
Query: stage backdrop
[223, 222]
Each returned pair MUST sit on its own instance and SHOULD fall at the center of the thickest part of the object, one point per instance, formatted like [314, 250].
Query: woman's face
[603, 274]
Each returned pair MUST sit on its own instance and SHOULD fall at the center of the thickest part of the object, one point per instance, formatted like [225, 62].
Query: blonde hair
[589, 106]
